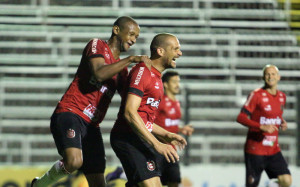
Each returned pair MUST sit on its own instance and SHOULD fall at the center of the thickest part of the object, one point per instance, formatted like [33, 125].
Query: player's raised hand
[168, 151]
[268, 128]
[283, 125]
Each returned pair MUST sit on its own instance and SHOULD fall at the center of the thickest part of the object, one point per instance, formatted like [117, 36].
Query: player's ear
[116, 29]
[165, 85]
[160, 51]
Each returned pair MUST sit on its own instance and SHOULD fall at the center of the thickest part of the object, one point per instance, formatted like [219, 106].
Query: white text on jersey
[139, 76]
[152, 102]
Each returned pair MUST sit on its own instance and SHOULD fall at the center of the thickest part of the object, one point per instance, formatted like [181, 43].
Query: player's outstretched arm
[102, 71]
[137, 124]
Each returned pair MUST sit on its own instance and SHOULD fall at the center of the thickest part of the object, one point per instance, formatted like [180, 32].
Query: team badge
[70, 133]
[265, 99]
[268, 108]
[151, 165]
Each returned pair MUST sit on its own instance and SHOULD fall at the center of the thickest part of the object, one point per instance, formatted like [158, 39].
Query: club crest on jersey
[151, 101]
[281, 99]
[151, 165]
[70, 133]
[139, 76]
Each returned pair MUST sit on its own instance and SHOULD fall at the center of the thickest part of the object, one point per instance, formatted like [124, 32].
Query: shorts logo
[151, 165]
[70, 133]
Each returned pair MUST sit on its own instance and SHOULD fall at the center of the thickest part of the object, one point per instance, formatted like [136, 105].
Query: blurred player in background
[133, 135]
[168, 117]
[262, 114]
[75, 121]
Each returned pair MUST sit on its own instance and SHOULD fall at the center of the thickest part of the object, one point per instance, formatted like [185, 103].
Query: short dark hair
[122, 21]
[159, 41]
[166, 76]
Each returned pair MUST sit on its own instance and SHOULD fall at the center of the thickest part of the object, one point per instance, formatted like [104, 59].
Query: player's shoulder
[141, 68]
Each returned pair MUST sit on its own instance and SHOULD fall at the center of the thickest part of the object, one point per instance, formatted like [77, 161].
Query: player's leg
[138, 159]
[170, 174]
[94, 157]
[66, 130]
[154, 181]
[254, 167]
[277, 168]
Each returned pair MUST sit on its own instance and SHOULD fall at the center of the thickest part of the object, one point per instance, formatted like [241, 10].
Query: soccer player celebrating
[132, 136]
[262, 114]
[75, 121]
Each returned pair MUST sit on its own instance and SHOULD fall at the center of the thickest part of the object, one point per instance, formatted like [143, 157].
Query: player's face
[173, 85]
[128, 36]
[172, 52]
[271, 76]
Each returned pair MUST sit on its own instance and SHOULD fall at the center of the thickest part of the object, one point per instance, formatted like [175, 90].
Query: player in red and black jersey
[262, 114]
[132, 136]
[75, 121]
[169, 117]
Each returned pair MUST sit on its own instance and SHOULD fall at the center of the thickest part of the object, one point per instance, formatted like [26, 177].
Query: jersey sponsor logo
[90, 111]
[70, 133]
[270, 121]
[139, 76]
[156, 85]
[268, 108]
[94, 46]
[281, 99]
[171, 122]
[151, 165]
[149, 126]
[269, 140]
[151, 101]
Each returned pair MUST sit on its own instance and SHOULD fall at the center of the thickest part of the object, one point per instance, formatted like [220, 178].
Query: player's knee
[285, 180]
[72, 164]
[252, 182]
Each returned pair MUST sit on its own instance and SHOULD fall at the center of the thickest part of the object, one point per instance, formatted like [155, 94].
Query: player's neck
[272, 90]
[170, 95]
[157, 65]
[114, 47]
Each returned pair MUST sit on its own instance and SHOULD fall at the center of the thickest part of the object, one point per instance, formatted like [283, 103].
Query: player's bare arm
[137, 124]
[268, 128]
[103, 71]
[168, 137]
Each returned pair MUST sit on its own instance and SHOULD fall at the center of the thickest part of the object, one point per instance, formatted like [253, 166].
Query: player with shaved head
[134, 135]
[77, 117]
[262, 114]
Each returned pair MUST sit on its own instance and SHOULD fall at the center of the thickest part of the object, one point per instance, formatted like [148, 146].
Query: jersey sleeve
[251, 103]
[139, 81]
[95, 49]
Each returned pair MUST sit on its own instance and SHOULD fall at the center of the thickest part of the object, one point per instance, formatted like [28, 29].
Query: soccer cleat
[114, 175]
[33, 181]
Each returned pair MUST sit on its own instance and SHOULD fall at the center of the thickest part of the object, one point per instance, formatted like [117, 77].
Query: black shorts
[70, 130]
[170, 172]
[274, 166]
[139, 160]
